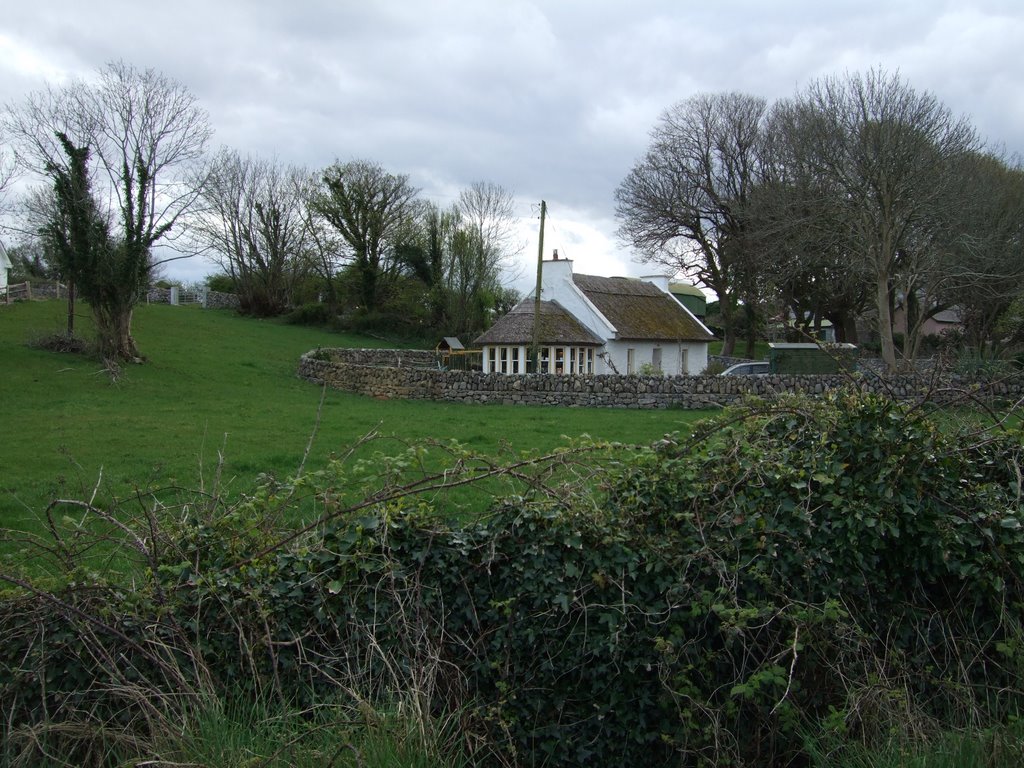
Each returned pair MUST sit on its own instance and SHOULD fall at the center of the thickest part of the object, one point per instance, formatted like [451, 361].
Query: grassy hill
[219, 383]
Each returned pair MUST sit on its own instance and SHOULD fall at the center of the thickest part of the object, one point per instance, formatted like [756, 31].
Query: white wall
[557, 285]
[696, 356]
[5, 264]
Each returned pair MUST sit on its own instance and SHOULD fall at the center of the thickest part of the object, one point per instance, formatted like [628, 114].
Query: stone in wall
[413, 374]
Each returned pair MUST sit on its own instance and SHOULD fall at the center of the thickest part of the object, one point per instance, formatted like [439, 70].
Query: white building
[5, 265]
[592, 324]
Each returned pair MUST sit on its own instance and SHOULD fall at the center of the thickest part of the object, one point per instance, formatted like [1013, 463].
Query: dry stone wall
[207, 299]
[414, 375]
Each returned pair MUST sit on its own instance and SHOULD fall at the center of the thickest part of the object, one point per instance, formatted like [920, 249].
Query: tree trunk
[728, 313]
[846, 329]
[728, 341]
[885, 320]
[367, 284]
[114, 336]
[751, 314]
[71, 307]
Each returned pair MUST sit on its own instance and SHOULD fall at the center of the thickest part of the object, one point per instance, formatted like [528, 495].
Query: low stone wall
[413, 375]
[33, 290]
[206, 299]
[218, 300]
[379, 358]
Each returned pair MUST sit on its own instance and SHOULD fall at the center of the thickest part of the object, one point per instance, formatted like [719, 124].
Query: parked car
[760, 368]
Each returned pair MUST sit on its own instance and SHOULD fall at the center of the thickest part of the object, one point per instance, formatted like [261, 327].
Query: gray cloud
[550, 99]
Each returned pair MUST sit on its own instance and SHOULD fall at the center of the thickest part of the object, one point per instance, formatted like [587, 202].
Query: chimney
[661, 281]
[557, 272]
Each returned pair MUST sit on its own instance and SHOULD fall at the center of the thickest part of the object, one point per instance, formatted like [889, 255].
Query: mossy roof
[640, 310]
[557, 326]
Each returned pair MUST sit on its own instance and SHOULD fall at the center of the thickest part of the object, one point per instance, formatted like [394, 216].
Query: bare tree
[482, 246]
[7, 175]
[460, 256]
[40, 219]
[802, 227]
[487, 210]
[890, 151]
[371, 209]
[326, 249]
[685, 204]
[254, 221]
[985, 253]
[145, 131]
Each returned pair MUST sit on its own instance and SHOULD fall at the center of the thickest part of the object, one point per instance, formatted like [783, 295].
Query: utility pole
[536, 293]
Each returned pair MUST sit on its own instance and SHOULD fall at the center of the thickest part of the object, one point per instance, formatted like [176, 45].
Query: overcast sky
[552, 100]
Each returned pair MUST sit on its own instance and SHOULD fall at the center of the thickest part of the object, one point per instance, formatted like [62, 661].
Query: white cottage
[592, 324]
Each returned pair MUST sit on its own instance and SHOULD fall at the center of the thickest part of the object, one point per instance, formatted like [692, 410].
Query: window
[559, 360]
[492, 353]
[684, 360]
[504, 359]
[656, 359]
[631, 360]
[545, 359]
[573, 352]
[590, 360]
[515, 360]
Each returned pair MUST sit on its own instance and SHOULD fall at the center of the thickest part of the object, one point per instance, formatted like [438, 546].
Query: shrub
[713, 368]
[843, 565]
[220, 282]
[61, 342]
[851, 539]
[316, 314]
[971, 362]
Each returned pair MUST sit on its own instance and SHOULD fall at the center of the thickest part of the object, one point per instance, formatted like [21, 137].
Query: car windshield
[747, 369]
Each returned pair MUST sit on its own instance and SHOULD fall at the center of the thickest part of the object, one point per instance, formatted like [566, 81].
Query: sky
[551, 100]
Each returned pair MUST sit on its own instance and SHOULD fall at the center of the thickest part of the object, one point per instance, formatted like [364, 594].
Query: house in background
[944, 320]
[592, 324]
[5, 265]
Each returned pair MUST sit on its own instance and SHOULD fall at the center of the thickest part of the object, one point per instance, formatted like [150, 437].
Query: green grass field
[760, 349]
[219, 382]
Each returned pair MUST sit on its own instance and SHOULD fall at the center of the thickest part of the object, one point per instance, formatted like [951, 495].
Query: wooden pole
[536, 297]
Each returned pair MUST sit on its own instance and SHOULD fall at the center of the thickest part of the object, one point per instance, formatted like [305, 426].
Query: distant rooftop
[685, 289]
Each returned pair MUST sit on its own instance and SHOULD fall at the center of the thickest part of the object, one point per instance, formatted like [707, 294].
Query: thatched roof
[557, 326]
[640, 310]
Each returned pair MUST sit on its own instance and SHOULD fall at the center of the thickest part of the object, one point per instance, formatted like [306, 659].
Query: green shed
[808, 357]
[691, 297]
